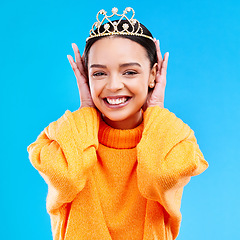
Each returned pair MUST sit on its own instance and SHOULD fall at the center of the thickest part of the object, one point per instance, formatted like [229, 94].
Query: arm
[168, 155]
[64, 154]
[167, 137]
[66, 150]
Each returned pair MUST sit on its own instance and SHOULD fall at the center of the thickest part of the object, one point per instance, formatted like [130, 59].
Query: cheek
[141, 87]
[95, 88]
[92, 88]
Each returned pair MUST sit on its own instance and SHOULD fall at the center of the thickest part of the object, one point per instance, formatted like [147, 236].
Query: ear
[152, 76]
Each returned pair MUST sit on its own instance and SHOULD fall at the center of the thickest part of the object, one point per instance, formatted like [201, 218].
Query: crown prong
[114, 10]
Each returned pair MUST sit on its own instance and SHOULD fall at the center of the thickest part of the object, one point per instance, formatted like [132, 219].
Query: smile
[116, 101]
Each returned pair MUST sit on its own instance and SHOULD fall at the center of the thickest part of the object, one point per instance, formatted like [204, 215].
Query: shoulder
[78, 116]
[73, 121]
[84, 114]
[157, 119]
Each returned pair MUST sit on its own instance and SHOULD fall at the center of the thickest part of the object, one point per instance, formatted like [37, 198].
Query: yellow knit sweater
[106, 183]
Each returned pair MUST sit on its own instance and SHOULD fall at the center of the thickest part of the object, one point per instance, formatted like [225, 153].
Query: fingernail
[69, 59]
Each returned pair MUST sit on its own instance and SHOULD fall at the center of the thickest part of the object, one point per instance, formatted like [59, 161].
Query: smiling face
[119, 75]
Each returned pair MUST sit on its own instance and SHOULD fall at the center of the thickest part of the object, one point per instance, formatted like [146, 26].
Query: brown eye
[130, 73]
[98, 74]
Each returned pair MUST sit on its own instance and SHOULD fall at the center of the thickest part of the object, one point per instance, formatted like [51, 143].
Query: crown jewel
[130, 27]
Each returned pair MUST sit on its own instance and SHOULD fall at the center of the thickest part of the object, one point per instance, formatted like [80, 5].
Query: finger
[159, 54]
[83, 53]
[75, 70]
[83, 65]
[76, 53]
[72, 63]
[78, 59]
[84, 91]
[162, 76]
[165, 64]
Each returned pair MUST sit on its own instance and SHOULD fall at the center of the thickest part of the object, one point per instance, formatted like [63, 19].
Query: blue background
[38, 85]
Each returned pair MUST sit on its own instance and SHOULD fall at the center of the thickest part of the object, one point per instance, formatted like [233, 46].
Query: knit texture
[106, 183]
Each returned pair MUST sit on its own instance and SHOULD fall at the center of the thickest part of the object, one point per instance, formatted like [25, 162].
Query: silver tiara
[128, 28]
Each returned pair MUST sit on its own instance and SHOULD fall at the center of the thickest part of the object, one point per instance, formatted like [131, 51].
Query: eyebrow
[130, 64]
[122, 65]
[97, 66]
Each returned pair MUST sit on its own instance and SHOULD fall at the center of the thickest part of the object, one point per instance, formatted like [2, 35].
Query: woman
[116, 167]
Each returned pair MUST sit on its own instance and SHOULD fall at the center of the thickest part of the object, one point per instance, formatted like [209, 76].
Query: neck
[129, 123]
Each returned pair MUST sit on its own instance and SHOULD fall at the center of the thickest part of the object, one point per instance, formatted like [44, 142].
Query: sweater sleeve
[168, 155]
[63, 154]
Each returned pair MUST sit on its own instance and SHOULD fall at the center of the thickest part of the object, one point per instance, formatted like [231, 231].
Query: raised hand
[156, 96]
[81, 76]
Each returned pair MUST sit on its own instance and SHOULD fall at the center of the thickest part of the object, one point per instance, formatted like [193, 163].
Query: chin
[123, 120]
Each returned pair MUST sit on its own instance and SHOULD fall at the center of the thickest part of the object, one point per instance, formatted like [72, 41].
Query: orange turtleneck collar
[119, 138]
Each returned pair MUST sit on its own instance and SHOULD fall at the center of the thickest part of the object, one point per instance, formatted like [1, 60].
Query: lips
[116, 101]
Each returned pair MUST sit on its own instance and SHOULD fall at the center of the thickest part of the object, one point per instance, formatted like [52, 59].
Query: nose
[114, 84]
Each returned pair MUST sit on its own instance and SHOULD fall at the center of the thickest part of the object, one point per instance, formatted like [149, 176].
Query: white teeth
[116, 101]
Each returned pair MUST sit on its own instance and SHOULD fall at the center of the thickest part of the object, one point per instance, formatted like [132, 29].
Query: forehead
[117, 50]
